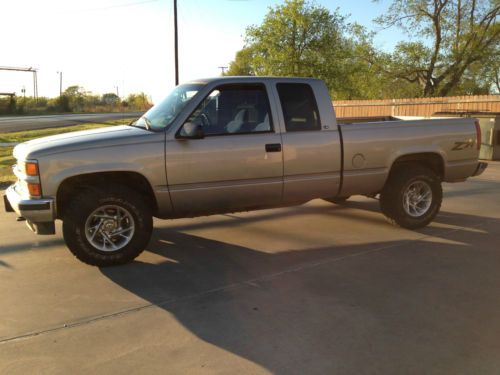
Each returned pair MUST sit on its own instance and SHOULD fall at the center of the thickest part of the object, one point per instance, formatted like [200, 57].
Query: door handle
[273, 147]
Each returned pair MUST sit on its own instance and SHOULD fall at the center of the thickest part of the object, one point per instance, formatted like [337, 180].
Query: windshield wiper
[147, 122]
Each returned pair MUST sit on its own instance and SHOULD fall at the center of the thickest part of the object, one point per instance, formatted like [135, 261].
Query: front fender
[146, 159]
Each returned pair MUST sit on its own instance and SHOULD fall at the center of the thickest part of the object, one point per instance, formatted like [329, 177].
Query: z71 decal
[459, 146]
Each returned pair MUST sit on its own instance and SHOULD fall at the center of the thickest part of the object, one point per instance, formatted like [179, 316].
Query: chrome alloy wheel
[109, 228]
[417, 198]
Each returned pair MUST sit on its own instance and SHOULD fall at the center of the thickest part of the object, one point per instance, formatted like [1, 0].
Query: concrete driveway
[315, 289]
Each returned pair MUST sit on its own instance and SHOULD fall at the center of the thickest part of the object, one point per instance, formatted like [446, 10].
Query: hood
[86, 139]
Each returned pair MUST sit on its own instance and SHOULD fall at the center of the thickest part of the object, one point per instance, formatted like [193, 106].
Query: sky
[127, 46]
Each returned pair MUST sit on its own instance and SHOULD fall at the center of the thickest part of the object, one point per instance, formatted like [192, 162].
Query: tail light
[478, 134]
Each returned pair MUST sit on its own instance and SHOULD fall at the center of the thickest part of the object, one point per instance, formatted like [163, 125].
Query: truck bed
[370, 148]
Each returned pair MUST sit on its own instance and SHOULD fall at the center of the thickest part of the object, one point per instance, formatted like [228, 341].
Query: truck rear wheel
[105, 226]
[412, 196]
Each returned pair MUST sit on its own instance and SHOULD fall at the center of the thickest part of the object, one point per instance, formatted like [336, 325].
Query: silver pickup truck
[226, 145]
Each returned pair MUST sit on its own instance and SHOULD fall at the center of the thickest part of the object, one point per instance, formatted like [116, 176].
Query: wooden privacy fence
[416, 106]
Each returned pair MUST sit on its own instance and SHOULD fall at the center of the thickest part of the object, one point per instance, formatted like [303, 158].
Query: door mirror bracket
[191, 131]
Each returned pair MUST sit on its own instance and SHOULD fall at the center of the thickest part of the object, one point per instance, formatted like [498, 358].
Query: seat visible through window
[234, 109]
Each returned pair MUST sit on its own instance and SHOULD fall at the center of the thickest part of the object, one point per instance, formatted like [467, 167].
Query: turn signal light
[35, 190]
[31, 169]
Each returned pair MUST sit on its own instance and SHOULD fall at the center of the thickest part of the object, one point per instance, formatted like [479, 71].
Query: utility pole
[223, 69]
[117, 92]
[176, 45]
[35, 86]
[23, 90]
[60, 83]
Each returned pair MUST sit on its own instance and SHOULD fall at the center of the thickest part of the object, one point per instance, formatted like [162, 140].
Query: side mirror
[191, 131]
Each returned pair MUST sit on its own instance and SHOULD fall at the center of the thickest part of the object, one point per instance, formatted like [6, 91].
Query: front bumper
[39, 213]
[481, 167]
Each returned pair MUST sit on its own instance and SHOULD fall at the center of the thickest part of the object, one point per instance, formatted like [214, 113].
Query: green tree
[73, 98]
[139, 102]
[451, 40]
[110, 98]
[364, 70]
[298, 38]
[242, 64]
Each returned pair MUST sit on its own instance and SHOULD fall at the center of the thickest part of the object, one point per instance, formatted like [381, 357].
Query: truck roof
[239, 79]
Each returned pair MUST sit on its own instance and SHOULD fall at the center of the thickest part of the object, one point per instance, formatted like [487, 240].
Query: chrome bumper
[39, 213]
[481, 166]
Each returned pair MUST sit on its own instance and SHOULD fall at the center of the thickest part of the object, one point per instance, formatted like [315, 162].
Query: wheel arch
[432, 160]
[132, 180]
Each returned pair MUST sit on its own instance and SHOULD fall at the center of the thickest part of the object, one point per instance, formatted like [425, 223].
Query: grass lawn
[7, 160]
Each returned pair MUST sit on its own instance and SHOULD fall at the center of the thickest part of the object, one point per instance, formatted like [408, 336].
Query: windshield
[162, 115]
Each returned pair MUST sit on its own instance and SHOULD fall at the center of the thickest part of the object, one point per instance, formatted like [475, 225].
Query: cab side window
[299, 107]
[234, 109]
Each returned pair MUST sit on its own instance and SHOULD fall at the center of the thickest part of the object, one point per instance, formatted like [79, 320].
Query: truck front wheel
[105, 226]
[412, 196]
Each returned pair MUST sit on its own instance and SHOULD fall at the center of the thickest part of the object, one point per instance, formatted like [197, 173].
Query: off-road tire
[393, 194]
[90, 199]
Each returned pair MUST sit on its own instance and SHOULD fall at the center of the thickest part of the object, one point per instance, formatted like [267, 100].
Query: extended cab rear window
[299, 107]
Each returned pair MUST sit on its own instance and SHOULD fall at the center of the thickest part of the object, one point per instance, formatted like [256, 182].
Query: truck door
[239, 163]
[311, 142]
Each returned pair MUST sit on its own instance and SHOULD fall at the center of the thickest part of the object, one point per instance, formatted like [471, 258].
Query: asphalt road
[315, 289]
[21, 123]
